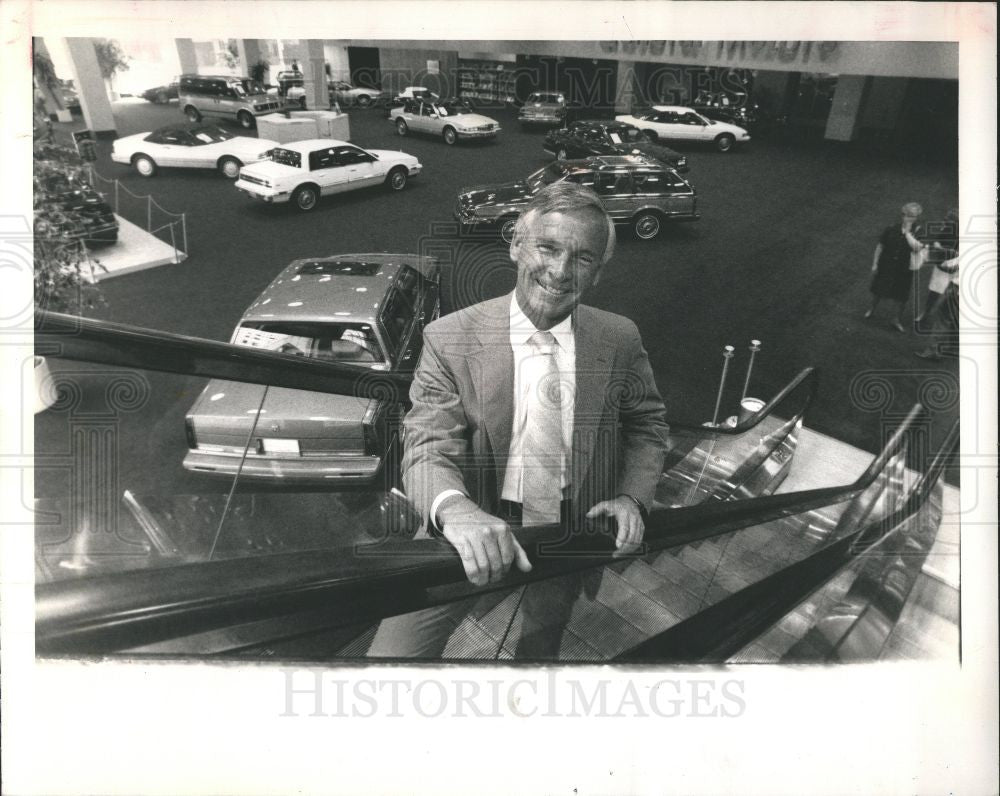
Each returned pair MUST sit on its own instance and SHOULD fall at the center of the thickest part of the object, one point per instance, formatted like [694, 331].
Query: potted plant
[64, 270]
[112, 59]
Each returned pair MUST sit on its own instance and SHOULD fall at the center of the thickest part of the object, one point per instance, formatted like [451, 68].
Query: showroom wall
[434, 69]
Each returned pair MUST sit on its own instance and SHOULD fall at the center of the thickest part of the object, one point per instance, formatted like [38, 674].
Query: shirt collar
[521, 328]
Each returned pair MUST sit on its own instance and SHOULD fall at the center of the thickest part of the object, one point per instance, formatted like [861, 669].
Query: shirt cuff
[437, 504]
[642, 509]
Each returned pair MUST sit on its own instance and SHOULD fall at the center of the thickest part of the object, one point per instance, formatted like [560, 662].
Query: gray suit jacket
[457, 435]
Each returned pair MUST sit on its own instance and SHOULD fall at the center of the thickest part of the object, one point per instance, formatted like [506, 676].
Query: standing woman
[891, 262]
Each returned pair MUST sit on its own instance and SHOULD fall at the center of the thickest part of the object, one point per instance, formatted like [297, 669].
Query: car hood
[392, 156]
[662, 153]
[469, 120]
[129, 141]
[500, 194]
[726, 127]
[228, 408]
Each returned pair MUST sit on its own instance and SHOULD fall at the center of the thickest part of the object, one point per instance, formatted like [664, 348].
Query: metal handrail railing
[128, 609]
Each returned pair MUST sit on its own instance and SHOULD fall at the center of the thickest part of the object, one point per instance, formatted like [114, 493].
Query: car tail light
[192, 440]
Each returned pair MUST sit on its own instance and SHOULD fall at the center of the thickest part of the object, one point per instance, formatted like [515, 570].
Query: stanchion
[727, 354]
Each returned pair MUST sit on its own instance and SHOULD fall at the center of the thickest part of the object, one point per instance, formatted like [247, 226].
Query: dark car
[161, 95]
[88, 217]
[367, 310]
[602, 137]
[546, 108]
[635, 189]
[736, 109]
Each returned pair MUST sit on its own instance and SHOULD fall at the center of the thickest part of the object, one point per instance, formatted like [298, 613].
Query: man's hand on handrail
[484, 542]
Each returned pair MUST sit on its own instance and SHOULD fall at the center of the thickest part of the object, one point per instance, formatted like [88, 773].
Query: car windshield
[626, 135]
[647, 116]
[453, 108]
[209, 134]
[287, 157]
[247, 87]
[553, 98]
[336, 342]
[554, 172]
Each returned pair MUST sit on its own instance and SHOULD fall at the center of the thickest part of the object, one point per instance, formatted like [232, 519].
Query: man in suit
[529, 409]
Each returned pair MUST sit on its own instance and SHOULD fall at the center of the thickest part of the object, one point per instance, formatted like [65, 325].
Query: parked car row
[370, 309]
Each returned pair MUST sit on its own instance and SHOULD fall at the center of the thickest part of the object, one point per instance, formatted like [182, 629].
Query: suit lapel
[494, 361]
[593, 370]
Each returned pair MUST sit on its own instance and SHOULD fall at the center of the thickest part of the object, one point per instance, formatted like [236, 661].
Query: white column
[90, 86]
[53, 106]
[336, 55]
[187, 56]
[848, 99]
[317, 94]
[250, 53]
[625, 87]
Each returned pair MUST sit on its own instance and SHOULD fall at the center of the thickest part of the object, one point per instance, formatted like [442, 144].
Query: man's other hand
[484, 542]
[630, 524]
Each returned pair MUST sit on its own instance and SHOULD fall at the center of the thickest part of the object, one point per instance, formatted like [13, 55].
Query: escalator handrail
[108, 343]
[721, 630]
[123, 345]
[107, 612]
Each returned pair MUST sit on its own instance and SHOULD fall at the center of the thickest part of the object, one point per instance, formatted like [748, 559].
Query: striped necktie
[542, 450]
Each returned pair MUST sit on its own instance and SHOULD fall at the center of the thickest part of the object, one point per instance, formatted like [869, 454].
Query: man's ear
[515, 247]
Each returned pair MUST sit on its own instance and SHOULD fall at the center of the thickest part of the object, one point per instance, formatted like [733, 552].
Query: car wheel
[302, 103]
[401, 127]
[724, 142]
[507, 228]
[397, 178]
[162, 98]
[562, 154]
[305, 197]
[144, 165]
[192, 113]
[230, 167]
[651, 135]
[450, 136]
[646, 225]
[364, 101]
[245, 118]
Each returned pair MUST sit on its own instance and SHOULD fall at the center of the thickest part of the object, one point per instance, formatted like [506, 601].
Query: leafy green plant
[259, 70]
[62, 265]
[110, 57]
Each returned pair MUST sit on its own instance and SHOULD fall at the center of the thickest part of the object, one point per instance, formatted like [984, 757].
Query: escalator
[739, 563]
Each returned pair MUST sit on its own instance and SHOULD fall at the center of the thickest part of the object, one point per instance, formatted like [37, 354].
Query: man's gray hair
[912, 209]
[566, 197]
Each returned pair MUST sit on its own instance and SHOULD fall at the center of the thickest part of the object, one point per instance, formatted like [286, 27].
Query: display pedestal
[303, 125]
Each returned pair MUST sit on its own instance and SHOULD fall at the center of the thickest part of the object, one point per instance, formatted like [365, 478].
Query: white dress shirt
[521, 329]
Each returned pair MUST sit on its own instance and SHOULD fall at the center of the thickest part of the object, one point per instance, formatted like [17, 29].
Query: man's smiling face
[558, 256]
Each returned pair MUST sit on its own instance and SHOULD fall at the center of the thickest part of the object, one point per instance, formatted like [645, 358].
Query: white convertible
[302, 171]
[678, 123]
[195, 146]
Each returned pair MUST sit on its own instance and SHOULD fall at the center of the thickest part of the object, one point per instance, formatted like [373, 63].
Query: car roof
[182, 127]
[311, 144]
[675, 108]
[323, 294]
[601, 123]
[608, 161]
[216, 77]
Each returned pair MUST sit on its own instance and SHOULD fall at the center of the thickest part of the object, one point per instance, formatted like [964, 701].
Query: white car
[196, 146]
[677, 123]
[451, 119]
[302, 171]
